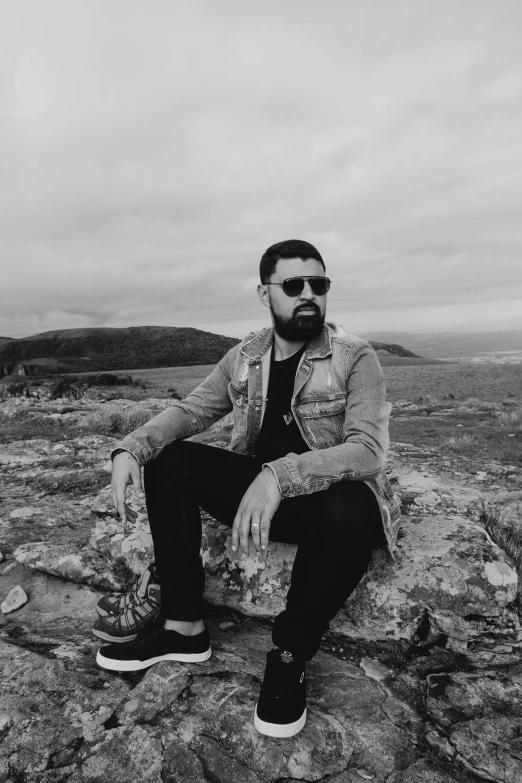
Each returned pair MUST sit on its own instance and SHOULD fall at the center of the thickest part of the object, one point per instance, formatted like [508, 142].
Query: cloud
[152, 152]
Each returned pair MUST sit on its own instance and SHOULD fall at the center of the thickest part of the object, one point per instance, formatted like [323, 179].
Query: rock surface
[488, 736]
[450, 581]
[418, 680]
[194, 722]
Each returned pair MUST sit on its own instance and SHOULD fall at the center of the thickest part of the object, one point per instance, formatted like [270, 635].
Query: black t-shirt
[279, 433]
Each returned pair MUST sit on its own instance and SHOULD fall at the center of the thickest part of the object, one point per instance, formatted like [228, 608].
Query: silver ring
[255, 524]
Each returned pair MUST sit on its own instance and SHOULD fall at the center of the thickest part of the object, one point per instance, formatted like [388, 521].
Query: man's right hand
[125, 470]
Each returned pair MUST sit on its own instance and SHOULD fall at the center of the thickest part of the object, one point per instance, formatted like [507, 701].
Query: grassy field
[474, 410]
[404, 381]
[183, 379]
[488, 382]
[470, 409]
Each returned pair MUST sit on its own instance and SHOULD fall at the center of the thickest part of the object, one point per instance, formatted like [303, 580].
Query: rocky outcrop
[450, 584]
[418, 680]
[15, 369]
[63, 719]
[487, 738]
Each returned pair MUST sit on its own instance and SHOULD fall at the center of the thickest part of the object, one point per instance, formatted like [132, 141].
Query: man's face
[295, 318]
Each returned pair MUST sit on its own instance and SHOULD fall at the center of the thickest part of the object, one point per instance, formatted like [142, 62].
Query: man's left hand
[255, 512]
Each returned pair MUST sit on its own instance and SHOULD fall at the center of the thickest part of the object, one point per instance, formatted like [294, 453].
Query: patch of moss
[121, 571]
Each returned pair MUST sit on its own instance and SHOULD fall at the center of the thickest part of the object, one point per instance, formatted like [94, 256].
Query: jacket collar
[255, 346]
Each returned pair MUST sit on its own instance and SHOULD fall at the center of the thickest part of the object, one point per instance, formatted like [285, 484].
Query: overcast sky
[152, 150]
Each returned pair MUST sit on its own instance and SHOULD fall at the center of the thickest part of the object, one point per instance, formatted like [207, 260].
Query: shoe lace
[151, 629]
[133, 593]
[282, 677]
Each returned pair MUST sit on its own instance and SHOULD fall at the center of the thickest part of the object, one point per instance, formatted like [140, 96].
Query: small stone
[2, 558]
[429, 498]
[24, 513]
[5, 721]
[374, 669]
[225, 625]
[14, 600]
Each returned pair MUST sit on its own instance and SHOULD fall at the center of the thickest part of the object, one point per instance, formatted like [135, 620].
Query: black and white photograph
[260, 391]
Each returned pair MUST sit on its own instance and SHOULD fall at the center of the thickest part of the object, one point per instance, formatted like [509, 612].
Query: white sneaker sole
[281, 730]
[135, 666]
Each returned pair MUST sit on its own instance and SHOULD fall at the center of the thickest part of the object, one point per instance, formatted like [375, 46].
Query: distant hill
[393, 348]
[6, 340]
[454, 345]
[133, 348]
[99, 349]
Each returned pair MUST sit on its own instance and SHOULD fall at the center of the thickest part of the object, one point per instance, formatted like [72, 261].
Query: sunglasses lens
[293, 286]
[320, 286]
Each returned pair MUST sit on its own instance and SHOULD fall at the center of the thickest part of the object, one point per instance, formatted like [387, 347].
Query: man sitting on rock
[306, 466]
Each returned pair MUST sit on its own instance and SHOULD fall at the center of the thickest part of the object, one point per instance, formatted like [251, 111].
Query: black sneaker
[152, 645]
[281, 707]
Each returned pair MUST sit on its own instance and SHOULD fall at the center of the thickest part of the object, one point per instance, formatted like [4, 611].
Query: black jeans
[335, 531]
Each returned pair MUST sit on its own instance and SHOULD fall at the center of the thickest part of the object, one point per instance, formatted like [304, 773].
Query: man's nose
[307, 292]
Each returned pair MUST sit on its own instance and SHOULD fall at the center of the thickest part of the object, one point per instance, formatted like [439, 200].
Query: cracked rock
[479, 720]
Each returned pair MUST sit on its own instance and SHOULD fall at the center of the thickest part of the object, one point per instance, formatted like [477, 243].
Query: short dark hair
[290, 248]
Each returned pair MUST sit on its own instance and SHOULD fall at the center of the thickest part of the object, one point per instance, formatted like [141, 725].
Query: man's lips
[307, 311]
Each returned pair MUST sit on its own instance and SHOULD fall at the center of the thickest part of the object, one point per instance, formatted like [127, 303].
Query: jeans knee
[352, 512]
[172, 460]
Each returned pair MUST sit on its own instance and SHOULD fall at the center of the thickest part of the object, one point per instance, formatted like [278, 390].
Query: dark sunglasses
[293, 286]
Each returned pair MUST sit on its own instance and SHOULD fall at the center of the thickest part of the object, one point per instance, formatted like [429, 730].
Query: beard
[299, 327]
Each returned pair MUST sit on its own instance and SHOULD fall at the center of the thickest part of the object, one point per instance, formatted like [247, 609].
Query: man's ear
[262, 292]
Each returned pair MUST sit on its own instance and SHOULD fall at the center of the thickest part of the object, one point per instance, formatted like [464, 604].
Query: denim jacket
[339, 404]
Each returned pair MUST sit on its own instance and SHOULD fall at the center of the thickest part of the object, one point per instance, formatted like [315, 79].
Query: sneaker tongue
[286, 656]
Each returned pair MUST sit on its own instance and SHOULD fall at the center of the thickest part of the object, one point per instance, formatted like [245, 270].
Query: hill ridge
[104, 348]
[113, 348]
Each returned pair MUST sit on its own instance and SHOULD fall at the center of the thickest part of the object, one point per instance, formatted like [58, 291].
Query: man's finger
[265, 532]
[256, 534]
[235, 532]
[136, 479]
[244, 532]
[119, 502]
[121, 511]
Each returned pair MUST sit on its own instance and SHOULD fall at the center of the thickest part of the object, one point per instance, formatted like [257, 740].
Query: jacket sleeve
[362, 453]
[208, 403]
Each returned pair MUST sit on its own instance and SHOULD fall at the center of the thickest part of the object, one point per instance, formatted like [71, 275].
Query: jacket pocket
[238, 395]
[323, 420]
